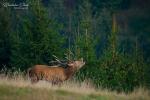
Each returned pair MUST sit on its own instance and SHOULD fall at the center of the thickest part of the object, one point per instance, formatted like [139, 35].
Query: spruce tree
[36, 39]
[5, 22]
[85, 38]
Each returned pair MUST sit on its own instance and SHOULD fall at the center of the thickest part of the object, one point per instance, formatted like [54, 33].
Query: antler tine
[71, 53]
[56, 58]
[58, 62]
[67, 57]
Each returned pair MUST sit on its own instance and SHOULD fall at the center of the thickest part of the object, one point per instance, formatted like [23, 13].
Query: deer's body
[53, 74]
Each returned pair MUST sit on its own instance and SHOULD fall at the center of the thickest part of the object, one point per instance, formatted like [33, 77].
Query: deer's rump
[43, 72]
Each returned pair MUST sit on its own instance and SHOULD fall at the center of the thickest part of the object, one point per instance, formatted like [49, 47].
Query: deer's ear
[71, 64]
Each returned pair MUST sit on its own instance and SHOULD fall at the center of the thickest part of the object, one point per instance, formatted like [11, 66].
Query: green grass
[8, 92]
[21, 89]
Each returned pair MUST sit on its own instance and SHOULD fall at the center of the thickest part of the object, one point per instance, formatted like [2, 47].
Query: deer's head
[77, 64]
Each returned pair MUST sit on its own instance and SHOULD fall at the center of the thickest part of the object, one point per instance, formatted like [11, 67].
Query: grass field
[18, 88]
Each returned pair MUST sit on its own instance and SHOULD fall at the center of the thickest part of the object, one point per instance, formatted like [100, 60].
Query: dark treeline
[113, 37]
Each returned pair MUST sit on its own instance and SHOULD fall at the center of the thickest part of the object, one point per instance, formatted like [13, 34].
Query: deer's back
[48, 73]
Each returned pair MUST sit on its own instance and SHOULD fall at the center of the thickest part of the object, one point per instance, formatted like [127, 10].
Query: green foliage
[4, 34]
[85, 41]
[115, 70]
[121, 72]
[36, 40]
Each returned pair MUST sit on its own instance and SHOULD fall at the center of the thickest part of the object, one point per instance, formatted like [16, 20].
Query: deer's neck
[70, 71]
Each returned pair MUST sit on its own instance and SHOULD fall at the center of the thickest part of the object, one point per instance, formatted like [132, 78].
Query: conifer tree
[86, 40]
[36, 39]
[5, 22]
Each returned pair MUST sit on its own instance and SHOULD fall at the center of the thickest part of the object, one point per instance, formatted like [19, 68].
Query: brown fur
[53, 74]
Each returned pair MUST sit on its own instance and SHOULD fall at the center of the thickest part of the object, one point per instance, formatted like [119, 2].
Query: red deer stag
[54, 74]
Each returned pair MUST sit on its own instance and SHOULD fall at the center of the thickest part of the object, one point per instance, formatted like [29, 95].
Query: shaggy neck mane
[70, 71]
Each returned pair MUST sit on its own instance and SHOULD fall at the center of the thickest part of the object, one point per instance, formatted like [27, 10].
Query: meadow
[17, 86]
